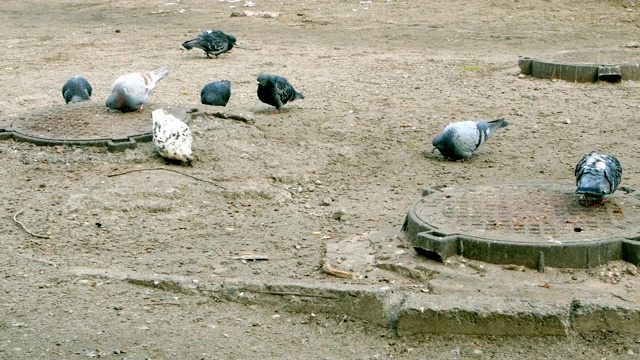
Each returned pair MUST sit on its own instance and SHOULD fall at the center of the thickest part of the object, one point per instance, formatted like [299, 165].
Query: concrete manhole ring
[585, 65]
[86, 123]
[525, 224]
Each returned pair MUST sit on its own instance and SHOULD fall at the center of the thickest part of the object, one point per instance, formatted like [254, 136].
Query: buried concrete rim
[585, 65]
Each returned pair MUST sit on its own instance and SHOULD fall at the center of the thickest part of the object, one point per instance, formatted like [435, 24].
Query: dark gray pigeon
[276, 90]
[76, 89]
[597, 175]
[216, 93]
[213, 42]
[461, 139]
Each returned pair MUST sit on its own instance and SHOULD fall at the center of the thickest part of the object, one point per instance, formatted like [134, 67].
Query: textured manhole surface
[587, 65]
[86, 123]
[525, 224]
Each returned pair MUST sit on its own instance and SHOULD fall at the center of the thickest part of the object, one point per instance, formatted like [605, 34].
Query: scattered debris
[262, 14]
[250, 257]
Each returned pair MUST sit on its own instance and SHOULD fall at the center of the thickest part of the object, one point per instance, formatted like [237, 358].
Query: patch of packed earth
[380, 79]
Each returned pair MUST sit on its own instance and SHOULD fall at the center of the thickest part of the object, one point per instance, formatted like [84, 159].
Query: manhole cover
[587, 65]
[86, 123]
[525, 224]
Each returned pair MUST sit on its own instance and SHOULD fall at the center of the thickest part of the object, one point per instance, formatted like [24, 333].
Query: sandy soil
[380, 79]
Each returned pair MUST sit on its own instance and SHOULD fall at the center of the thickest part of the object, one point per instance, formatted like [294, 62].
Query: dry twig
[250, 257]
[335, 272]
[15, 218]
[175, 171]
[291, 293]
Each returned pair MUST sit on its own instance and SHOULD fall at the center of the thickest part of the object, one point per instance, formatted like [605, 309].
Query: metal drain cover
[525, 224]
[587, 65]
[86, 123]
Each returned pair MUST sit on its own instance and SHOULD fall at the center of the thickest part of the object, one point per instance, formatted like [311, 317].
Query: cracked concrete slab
[412, 295]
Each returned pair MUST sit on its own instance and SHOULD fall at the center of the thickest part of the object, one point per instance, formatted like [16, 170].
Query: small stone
[339, 215]
[325, 201]
[567, 121]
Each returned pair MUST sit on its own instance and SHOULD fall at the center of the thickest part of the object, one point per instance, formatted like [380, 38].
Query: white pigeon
[461, 139]
[597, 175]
[171, 136]
[131, 91]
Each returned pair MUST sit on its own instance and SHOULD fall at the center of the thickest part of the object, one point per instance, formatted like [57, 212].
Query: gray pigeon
[216, 93]
[76, 89]
[275, 90]
[597, 175]
[213, 42]
[131, 91]
[461, 139]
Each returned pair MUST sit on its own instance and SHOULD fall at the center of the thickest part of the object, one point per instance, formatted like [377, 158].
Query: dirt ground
[380, 79]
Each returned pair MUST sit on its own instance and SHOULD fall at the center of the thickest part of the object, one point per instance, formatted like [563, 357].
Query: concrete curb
[406, 312]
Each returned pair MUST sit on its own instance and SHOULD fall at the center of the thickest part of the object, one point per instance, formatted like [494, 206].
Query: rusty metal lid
[86, 123]
[520, 223]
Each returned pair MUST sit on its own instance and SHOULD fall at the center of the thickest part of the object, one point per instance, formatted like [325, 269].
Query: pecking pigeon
[76, 89]
[459, 140]
[171, 136]
[216, 93]
[597, 175]
[213, 42]
[131, 91]
[275, 90]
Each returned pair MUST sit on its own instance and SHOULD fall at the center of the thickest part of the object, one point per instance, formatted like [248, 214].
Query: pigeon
[597, 175]
[131, 91]
[216, 93]
[459, 140]
[76, 89]
[276, 90]
[172, 137]
[213, 42]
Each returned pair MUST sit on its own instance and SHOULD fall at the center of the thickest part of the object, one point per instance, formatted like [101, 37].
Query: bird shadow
[272, 111]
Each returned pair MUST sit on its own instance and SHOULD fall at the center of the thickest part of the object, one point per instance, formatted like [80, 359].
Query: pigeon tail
[497, 124]
[160, 73]
[190, 44]
[590, 190]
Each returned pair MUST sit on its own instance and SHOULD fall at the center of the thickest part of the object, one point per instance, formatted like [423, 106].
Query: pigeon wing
[467, 137]
[612, 173]
[284, 90]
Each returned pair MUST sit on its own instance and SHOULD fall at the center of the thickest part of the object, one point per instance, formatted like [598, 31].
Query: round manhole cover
[586, 65]
[86, 123]
[524, 224]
